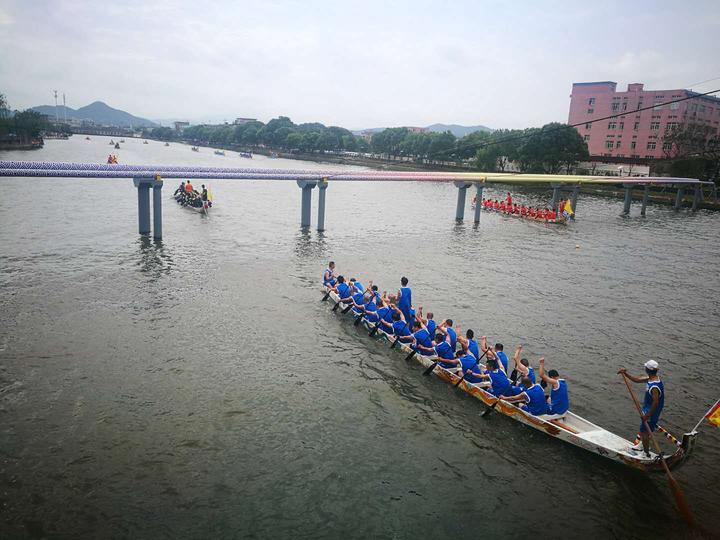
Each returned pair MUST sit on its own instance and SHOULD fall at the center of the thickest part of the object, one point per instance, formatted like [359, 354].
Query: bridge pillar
[646, 196]
[143, 186]
[306, 186]
[628, 198]
[679, 197]
[478, 201]
[556, 196]
[696, 198]
[157, 208]
[322, 187]
[462, 191]
[143, 192]
[573, 200]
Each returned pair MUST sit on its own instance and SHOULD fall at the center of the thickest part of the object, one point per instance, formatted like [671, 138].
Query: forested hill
[98, 112]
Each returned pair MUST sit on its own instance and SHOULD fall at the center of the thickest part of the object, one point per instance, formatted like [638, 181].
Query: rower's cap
[651, 364]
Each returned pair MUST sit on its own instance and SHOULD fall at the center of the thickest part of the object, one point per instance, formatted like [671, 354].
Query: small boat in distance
[117, 146]
[145, 142]
[87, 138]
[122, 140]
[195, 149]
[219, 153]
[273, 155]
[111, 142]
[247, 155]
[167, 144]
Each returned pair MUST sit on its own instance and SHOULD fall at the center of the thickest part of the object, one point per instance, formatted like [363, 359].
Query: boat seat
[485, 384]
[549, 417]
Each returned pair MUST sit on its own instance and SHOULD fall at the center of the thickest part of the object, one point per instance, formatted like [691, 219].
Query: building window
[612, 125]
[667, 146]
[648, 156]
[674, 106]
[586, 137]
[590, 111]
[633, 145]
[654, 126]
[651, 145]
[609, 145]
[636, 126]
[622, 126]
[639, 106]
[591, 101]
[624, 106]
[672, 125]
[588, 125]
[616, 106]
[701, 108]
[617, 144]
[635, 155]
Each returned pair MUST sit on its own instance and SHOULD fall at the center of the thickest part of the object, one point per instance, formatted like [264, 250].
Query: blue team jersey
[500, 383]
[453, 337]
[359, 300]
[328, 277]
[473, 348]
[359, 286]
[470, 362]
[343, 291]
[370, 307]
[535, 403]
[423, 338]
[400, 328]
[443, 351]
[432, 327]
[647, 403]
[531, 374]
[559, 400]
[503, 358]
[405, 301]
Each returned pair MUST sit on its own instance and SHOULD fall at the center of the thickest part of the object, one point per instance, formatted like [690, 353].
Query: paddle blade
[347, 309]
[394, 343]
[409, 356]
[336, 306]
[327, 295]
[374, 330]
[680, 500]
[489, 410]
[460, 381]
[357, 320]
[514, 376]
[429, 370]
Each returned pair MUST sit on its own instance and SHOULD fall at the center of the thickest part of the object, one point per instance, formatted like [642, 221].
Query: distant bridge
[150, 176]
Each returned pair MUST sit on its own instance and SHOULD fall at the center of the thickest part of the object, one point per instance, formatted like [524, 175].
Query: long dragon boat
[558, 221]
[568, 427]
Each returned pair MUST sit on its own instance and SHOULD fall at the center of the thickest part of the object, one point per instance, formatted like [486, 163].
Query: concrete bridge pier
[478, 201]
[697, 197]
[628, 198]
[573, 199]
[679, 198]
[556, 196]
[462, 192]
[646, 196]
[157, 209]
[306, 186]
[322, 188]
[143, 186]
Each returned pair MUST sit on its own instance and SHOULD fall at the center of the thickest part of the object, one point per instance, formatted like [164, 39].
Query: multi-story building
[240, 121]
[635, 133]
[179, 126]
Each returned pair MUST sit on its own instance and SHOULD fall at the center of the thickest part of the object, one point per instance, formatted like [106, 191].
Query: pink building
[635, 134]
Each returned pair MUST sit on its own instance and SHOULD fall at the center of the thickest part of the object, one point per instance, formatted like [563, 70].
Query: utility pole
[64, 110]
[56, 113]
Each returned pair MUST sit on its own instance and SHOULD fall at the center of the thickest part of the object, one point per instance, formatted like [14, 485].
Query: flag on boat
[567, 209]
[713, 415]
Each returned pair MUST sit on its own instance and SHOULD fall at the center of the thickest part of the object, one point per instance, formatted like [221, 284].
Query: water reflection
[154, 259]
[308, 246]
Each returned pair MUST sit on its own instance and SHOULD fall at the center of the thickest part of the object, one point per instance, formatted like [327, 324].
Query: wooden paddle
[476, 363]
[327, 295]
[344, 311]
[489, 409]
[674, 486]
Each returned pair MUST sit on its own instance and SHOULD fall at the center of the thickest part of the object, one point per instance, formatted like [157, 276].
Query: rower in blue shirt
[522, 366]
[358, 297]
[442, 350]
[404, 299]
[470, 367]
[532, 396]
[423, 339]
[343, 290]
[386, 318]
[468, 342]
[359, 286]
[329, 276]
[429, 321]
[500, 383]
[447, 329]
[559, 400]
[371, 306]
[400, 327]
[498, 350]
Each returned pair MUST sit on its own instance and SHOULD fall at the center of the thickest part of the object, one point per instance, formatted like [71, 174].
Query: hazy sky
[354, 64]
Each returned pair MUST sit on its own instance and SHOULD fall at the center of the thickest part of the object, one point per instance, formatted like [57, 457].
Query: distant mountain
[455, 129]
[98, 112]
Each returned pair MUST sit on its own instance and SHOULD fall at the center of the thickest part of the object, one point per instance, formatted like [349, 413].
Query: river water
[198, 388]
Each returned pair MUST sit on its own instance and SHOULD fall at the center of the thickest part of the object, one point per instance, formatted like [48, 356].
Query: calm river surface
[198, 388]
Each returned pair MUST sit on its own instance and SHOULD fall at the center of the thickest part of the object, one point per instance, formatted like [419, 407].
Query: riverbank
[32, 145]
